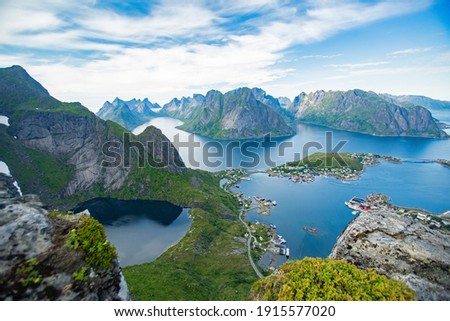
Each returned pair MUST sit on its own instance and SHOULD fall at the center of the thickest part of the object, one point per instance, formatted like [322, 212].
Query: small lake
[141, 230]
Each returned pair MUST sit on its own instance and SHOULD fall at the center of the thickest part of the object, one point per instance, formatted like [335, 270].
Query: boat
[287, 252]
[282, 251]
[274, 203]
[355, 212]
[346, 203]
[310, 230]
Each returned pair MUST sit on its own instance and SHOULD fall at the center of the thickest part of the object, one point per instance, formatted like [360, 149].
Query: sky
[92, 51]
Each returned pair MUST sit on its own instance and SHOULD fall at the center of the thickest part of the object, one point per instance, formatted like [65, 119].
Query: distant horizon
[268, 93]
[91, 51]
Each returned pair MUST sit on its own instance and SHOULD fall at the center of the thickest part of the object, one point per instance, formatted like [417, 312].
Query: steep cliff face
[59, 149]
[364, 112]
[399, 247]
[76, 139]
[236, 114]
[35, 261]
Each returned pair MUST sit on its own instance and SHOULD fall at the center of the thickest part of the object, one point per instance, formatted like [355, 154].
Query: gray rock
[28, 234]
[401, 248]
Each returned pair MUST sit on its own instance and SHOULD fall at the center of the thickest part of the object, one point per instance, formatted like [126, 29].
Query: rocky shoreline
[399, 246]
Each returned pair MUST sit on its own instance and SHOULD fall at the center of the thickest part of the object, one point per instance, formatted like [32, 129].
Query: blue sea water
[414, 183]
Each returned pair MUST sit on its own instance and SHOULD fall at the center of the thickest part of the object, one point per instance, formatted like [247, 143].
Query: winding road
[249, 241]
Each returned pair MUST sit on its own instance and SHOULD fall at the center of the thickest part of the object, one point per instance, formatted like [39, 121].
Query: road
[249, 241]
[250, 236]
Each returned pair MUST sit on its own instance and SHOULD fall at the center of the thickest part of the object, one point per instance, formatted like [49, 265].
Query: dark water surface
[141, 230]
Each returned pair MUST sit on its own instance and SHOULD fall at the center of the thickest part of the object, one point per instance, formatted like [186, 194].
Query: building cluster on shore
[376, 201]
[268, 246]
[304, 173]
[233, 176]
[264, 205]
[307, 174]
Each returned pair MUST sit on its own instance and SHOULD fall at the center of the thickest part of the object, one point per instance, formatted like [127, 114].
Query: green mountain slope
[364, 112]
[54, 149]
[237, 114]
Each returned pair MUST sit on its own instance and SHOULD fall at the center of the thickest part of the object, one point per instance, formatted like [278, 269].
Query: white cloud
[321, 56]
[358, 65]
[167, 20]
[409, 51]
[193, 59]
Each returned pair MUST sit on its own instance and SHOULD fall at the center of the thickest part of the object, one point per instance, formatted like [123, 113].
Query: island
[343, 166]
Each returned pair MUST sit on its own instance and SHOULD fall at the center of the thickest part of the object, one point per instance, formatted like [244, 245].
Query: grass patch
[330, 160]
[33, 168]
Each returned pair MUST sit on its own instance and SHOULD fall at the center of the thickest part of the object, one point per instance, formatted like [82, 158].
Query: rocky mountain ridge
[237, 114]
[364, 112]
[416, 100]
[129, 114]
[58, 149]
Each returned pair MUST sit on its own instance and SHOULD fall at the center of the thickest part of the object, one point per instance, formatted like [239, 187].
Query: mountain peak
[17, 87]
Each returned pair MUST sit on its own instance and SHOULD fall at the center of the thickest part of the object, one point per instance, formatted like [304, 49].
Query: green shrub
[331, 280]
[90, 237]
[28, 273]
[81, 274]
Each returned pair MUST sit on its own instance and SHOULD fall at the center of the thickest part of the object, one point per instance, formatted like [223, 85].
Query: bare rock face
[35, 263]
[76, 138]
[70, 137]
[399, 247]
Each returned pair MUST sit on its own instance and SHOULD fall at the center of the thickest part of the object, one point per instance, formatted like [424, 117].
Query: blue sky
[92, 51]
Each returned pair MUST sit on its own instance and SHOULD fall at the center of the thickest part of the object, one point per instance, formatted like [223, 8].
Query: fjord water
[321, 204]
[414, 183]
[141, 230]
[402, 147]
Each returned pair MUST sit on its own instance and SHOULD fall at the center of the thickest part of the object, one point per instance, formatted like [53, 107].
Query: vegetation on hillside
[330, 160]
[315, 279]
[33, 169]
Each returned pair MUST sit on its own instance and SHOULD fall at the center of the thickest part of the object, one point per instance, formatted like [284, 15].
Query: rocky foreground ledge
[36, 262]
[400, 247]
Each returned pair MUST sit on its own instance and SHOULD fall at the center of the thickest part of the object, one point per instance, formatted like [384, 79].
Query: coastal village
[353, 165]
[269, 248]
[377, 201]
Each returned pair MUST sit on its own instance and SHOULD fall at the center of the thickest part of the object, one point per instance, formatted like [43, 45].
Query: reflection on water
[141, 230]
[403, 147]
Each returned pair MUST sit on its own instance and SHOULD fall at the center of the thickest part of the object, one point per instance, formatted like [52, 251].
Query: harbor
[264, 206]
[276, 252]
[377, 201]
